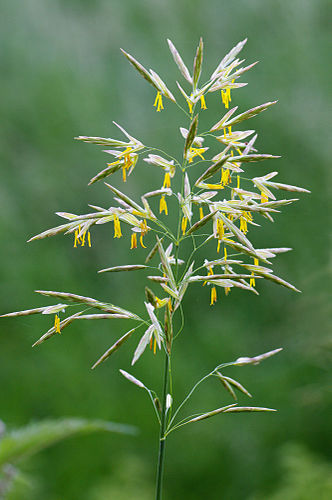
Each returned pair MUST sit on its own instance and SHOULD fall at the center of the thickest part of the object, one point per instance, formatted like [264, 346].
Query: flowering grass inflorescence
[217, 204]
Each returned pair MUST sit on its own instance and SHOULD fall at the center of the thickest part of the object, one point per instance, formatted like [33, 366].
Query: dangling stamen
[203, 103]
[76, 240]
[201, 213]
[154, 346]
[167, 180]
[158, 103]
[238, 182]
[124, 174]
[144, 230]
[89, 239]
[117, 227]
[230, 130]
[213, 296]
[57, 324]
[133, 241]
[210, 273]
[225, 98]
[196, 152]
[190, 106]
[184, 224]
[220, 228]
[141, 241]
[225, 177]
[163, 206]
[225, 254]
[243, 225]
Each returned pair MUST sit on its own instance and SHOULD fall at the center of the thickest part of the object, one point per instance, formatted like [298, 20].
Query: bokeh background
[62, 75]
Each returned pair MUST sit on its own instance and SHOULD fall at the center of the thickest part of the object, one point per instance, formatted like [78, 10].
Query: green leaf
[19, 444]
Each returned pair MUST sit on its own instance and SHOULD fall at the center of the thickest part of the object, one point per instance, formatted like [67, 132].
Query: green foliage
[305, 476]
[17, 445]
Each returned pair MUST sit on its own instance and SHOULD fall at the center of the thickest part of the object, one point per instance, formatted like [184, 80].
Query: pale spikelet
[117, 269]
[113, 348]
[179, 62]
[132, 379]
[256, 359]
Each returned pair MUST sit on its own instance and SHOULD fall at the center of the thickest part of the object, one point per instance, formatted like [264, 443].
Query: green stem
[162, 437]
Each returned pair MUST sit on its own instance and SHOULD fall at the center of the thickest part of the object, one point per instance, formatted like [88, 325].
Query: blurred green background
[62, 75]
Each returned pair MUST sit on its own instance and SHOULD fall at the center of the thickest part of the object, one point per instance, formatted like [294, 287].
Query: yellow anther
[213, 296]
[243, 225]
[210, 273]
[163, 205]
[124, 174]
[201, 213]
[76, 240]
[238, 182]
[184, 224]
[144, 230]
[252, 282]
[196, 152]
[57, 324]
[158, 103]
[203, 103]
[141, 241]
[80, 240]
[190, 106]
[225, 254]
[167, 180]
[117, 227]
[220, 228]
[133, 241]
[225, 177]
[256, 262]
